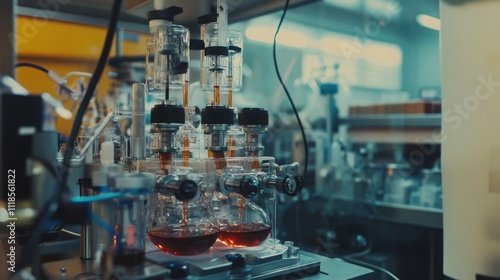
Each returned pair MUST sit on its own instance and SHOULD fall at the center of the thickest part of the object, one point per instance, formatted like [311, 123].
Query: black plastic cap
[167, 114]
[253, 116]
[167, 14]
[217, 115]
[187, 190]
[207, 18]
[237, 260]
[118, 61]
[196, 44]
[234, 50]
[249, 186]
[178, 270]
[217, 51]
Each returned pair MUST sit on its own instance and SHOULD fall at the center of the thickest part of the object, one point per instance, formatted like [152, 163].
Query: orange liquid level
[245, 234]
[232, 143]
[220, 163]
[182, 242]
[255, 160]
[185, 96]
[217, 95]
[185, 151]
[230, 98]
[165, 161]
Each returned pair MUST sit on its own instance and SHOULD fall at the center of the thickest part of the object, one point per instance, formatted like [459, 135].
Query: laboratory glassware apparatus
[238, 179]
[166, 77]
[194, 200]
[178, 221]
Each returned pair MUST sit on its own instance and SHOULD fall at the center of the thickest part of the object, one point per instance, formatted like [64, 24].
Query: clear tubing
[273, 213]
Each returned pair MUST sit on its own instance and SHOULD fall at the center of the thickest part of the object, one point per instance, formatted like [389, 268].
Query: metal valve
[183, 190]
[246, 185]
[289, 185]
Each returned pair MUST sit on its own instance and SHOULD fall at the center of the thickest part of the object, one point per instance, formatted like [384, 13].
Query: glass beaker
[181, 225]
[120, 230]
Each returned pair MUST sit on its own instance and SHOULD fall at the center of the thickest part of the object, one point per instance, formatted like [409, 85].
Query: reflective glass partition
[365, 79]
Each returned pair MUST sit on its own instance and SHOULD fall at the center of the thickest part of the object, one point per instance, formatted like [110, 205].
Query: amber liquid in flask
[244, 234]
[183, 241]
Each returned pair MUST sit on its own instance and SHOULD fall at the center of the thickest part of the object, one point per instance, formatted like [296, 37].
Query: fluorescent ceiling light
[265, 34]
[429, 22]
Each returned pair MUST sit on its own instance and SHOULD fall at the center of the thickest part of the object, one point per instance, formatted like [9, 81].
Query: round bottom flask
[242, 222]
[181, 227]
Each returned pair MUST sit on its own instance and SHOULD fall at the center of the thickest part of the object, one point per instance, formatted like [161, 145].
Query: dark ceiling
[135, 10]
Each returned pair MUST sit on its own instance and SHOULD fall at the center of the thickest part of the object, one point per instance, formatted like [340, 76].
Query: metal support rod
[86, 228]
[138, 138]
[120, 38]
[9, 37]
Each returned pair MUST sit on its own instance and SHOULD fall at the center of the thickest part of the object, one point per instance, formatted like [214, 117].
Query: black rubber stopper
[217, 115]
[253, 116]
[207, 18]
[217, 51]
[178, 270]
[167, 114]
[167, 14]
[187, 190]
[234, 49]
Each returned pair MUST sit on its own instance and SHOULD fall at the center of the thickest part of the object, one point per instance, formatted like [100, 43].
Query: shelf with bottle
[393, 128]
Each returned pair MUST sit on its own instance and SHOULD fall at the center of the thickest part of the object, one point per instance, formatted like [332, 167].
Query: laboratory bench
[309, 265]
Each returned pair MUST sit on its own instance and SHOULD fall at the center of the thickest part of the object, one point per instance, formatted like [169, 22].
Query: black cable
[31, 65]
[53, 203]
[304, 138]
[45, 70]
[113, 22]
